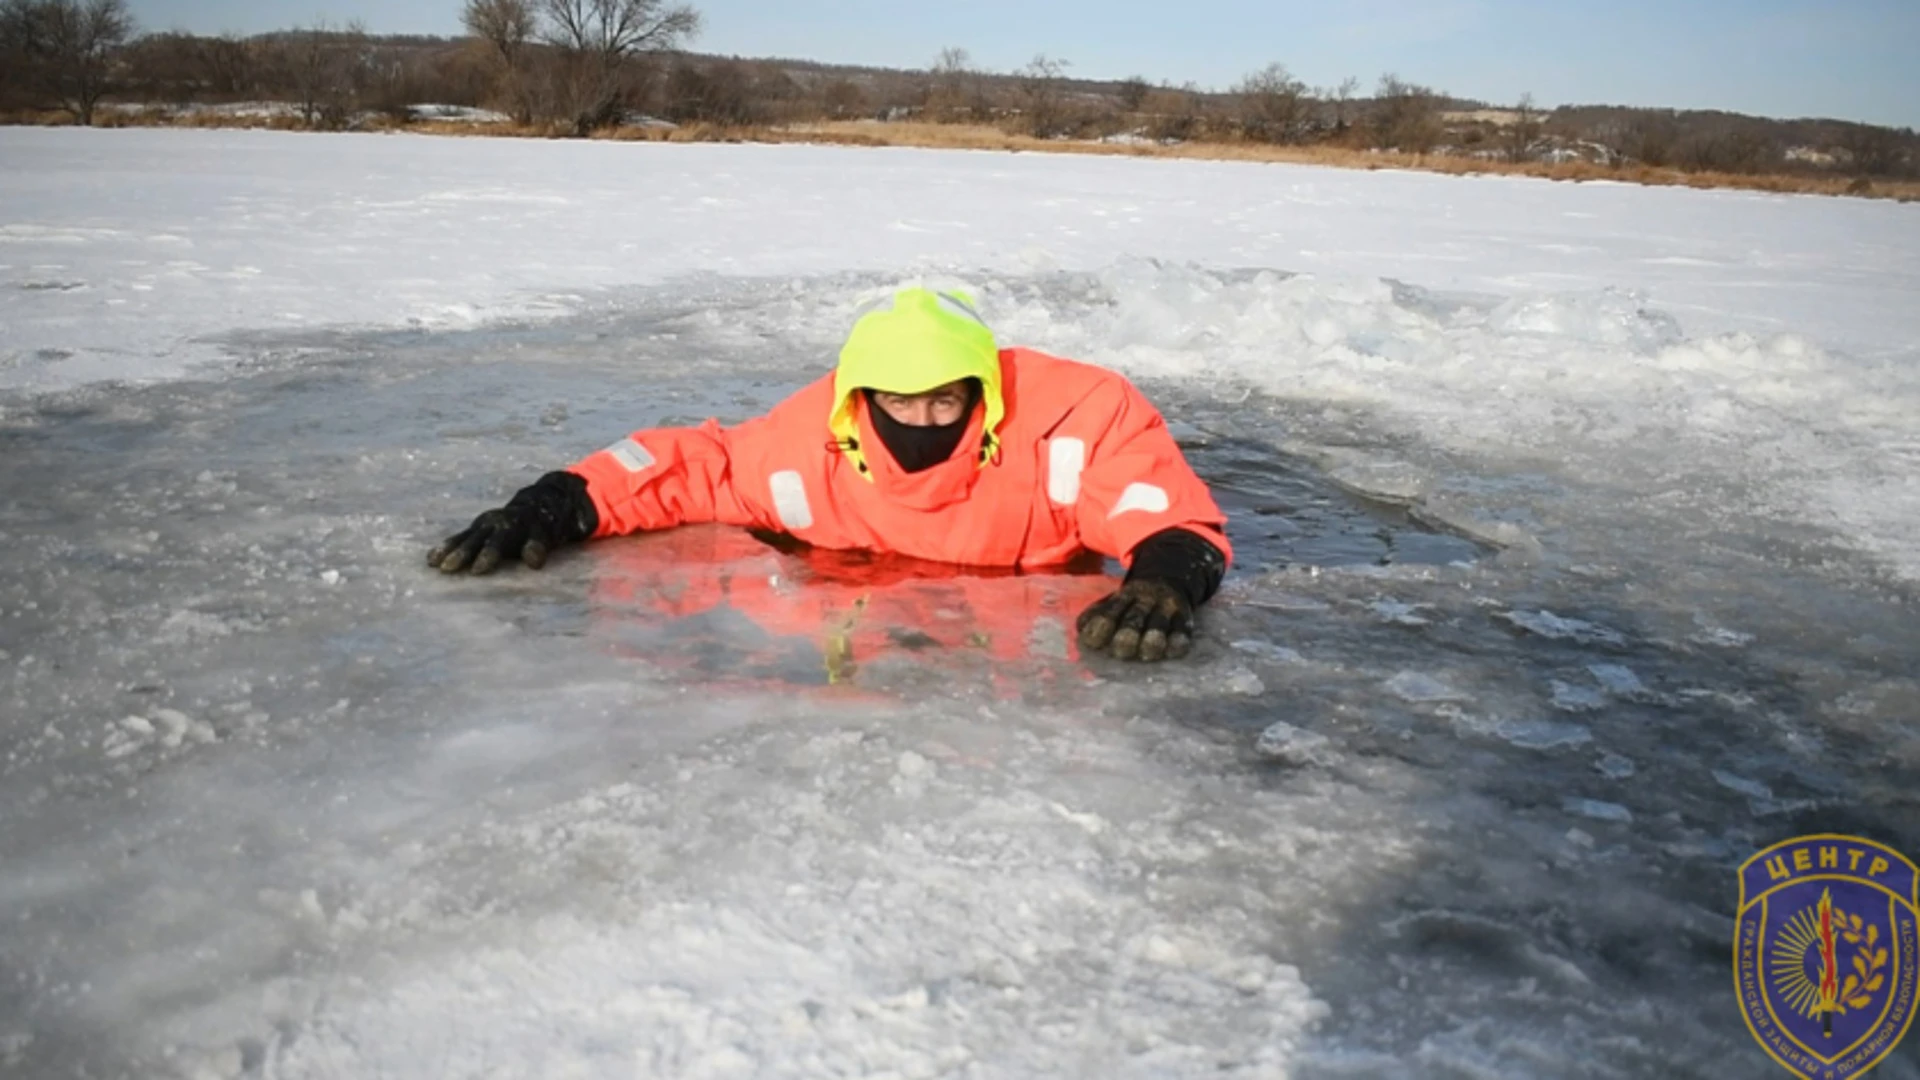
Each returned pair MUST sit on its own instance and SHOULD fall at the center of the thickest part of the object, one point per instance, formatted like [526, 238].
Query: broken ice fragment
[1266, 650]
[1570, 698]
[1617, 680]
[1399, 614]
[1597, 810]
[1289, 745]
[1719, 637]
[1420, 688]
[1752, 789]
[1554, 628]
[1245, 683]
[1542, 734]
[1615, 767]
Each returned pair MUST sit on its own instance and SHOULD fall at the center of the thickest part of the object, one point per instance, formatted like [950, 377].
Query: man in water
[929, 441]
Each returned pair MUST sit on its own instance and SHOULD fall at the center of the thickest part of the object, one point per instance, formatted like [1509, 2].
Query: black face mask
[916, 449]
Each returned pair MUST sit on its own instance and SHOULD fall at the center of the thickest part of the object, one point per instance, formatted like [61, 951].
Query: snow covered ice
[1577, 561]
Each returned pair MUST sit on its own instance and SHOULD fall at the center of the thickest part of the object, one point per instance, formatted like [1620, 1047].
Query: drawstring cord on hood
[847, 445]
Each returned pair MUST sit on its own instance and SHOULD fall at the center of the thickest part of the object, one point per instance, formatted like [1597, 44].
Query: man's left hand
[1145, 619]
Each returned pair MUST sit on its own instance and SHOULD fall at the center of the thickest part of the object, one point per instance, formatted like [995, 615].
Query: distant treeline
[578, 66]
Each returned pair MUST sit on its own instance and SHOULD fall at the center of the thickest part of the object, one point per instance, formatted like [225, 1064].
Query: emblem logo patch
[1826, 953]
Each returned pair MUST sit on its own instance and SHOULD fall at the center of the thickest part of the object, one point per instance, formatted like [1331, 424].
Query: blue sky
[1854, 59]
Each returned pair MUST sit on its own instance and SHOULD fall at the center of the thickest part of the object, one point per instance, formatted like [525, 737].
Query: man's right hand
[553, 511]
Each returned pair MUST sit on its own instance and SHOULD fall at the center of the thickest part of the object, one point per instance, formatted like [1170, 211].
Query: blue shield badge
[1825, 951]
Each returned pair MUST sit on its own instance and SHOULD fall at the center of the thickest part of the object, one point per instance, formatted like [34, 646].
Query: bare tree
[1342, 97]
[596, 38]
[392, 79]
[162, 67]
[506, 28]
[953, 60]
[326, 68]
[1728, 149]
[1518, 137]
[1405, 116]
[1273, 105]
[226, 65]
[953, 86]
[1650, 138]
[1874, 151]
[1043, 97]
[1173, 115]
[65, 48]
[719, 92]
[842, 98]
[1133, 91]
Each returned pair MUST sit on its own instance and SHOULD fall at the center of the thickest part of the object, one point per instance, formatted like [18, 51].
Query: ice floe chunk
[1617, 679]
[1553, 627]
[1615, 767]
[1542, 734]
[1597, 809]
[1266, 650]
[1615, 317]
[1399, 614]
[1570, 698]
[167, 728]
[13, 1045]
[1752, 789]
[1244, 682]
[1719, 637]
[1422, 689]
[1290, 745]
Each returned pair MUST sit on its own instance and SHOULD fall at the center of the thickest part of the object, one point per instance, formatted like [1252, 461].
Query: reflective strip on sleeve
[1151, 498]
[790, 499]
[1066, 459]
[631, 455]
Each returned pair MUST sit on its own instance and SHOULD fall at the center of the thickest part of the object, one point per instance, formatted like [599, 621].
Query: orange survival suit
[1047, 459]
[1082, 461]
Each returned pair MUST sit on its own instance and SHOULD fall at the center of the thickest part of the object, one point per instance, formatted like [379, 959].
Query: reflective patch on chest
[790, 499]
[1066, 459]
[631, 455]
[1151, 498]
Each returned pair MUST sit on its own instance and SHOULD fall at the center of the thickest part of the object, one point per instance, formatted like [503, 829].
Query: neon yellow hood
[910, 343]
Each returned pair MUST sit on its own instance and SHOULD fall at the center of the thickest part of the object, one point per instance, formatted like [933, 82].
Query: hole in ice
[1282, 511]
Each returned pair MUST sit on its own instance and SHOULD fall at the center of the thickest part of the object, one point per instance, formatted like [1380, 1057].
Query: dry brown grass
[983, 137]
[926, 135]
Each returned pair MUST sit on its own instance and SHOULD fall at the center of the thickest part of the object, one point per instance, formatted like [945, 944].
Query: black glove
[1151, 616]
[552, 511]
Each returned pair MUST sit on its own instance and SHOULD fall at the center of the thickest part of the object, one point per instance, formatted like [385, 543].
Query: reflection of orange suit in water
[843, 609]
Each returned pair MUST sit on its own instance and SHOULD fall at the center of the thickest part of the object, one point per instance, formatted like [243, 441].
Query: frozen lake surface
[1577, 562]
